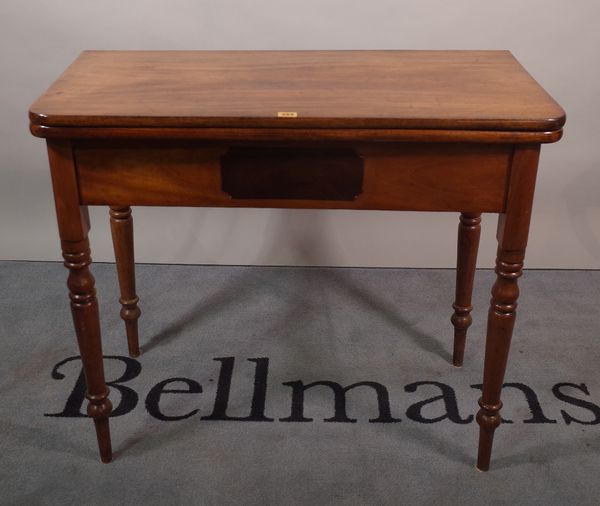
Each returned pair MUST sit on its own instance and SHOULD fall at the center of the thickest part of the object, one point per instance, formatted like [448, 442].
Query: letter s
[576, 402]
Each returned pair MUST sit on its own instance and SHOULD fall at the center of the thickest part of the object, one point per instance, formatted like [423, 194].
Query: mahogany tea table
[446, 131]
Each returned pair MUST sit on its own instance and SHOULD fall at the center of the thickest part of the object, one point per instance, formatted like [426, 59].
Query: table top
[447, 90]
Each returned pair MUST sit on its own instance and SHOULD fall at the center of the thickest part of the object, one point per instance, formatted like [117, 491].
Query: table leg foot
[121, 225]
[103, 430]
[131, 329]
[488, 419]
[469, 231]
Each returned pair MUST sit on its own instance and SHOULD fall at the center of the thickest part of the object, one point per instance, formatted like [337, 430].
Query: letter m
[340, 415]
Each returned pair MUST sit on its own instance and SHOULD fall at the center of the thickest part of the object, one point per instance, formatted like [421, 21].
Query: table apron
[396, 176]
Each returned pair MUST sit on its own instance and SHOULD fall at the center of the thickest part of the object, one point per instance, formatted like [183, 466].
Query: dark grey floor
[389, 326]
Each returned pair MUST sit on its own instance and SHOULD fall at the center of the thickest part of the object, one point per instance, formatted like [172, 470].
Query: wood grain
[292, 173]
[420, 176]
[456, 90]
[513, 231]
[73, 225]
[469, 231]
[329, 135]
[435, 131]
[121, 227]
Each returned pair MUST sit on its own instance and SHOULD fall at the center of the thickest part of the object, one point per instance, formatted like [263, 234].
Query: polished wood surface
[121, 227]
[408, 176]
[469, 231]
[292, 173]
[293, 134]
[465, 90]
[513, 230]
[452, 131]
[73, 226]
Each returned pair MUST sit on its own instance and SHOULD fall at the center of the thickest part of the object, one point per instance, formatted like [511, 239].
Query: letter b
[129, 397]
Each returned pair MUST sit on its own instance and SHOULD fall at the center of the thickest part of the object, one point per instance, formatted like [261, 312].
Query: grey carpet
[389, 326]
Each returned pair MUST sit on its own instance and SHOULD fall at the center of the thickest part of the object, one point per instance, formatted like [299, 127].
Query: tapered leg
[73, 227]
[121, 226]
[513, 229]
[469, 230]
[84, 309]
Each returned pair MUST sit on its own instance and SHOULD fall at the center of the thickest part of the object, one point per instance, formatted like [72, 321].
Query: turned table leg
[469, 230]
[84, 309]
[73, 225]
[121, 226]
[513, 229]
